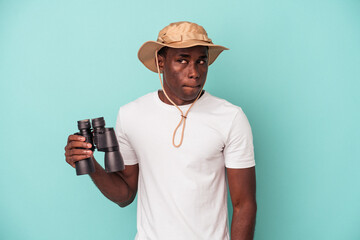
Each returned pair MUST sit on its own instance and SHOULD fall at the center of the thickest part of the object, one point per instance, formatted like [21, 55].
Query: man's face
[184, 72]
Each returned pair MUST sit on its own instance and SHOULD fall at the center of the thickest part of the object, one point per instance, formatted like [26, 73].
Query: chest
[201, 149]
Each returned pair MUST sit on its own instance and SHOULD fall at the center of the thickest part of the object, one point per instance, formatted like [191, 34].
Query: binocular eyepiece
[104, 139]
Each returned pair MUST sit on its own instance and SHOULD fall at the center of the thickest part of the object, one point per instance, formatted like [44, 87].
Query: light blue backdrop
[294, 68]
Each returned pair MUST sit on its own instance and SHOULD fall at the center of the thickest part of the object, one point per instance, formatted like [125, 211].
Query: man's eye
[202, 62]
[182, 61]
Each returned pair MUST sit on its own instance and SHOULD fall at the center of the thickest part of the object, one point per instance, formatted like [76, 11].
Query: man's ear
[161, 61]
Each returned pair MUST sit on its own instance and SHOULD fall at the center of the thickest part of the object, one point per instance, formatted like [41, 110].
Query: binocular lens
[85, 166]
[84, 124]
[98, 122]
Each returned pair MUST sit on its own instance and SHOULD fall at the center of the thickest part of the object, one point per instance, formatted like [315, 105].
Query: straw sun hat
[178, 35]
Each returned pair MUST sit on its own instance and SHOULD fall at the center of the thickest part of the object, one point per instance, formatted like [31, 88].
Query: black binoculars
[105, 141]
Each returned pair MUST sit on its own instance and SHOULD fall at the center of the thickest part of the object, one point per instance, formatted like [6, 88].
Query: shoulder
[220, 106]
[141, 102]
[136, 108]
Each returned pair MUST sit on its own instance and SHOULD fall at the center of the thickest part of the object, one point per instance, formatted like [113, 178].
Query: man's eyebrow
[184, 55]
[188, 56]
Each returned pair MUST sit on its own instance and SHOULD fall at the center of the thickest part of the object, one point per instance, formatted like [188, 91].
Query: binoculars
[104, 139]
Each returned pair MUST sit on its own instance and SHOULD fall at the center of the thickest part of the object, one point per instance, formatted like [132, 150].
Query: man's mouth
[189, 86]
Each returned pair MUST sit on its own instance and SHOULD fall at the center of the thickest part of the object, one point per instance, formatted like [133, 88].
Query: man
[180, 170]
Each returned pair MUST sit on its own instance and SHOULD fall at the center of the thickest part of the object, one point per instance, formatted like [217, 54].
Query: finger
[76, 151]
[78, 144]
[76, 138]
[75, 158]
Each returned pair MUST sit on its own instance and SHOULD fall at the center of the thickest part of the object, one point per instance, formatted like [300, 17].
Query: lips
[196, 86]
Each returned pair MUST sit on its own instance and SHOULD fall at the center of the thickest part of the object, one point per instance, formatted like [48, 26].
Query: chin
[191, 94]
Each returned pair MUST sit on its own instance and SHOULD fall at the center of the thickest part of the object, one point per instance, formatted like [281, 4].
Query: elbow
[126, 202]
[122, 205]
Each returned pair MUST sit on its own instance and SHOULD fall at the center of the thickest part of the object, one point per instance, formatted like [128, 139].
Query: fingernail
[89, 145]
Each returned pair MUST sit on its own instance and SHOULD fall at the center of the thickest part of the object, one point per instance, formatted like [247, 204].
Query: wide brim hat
[178, 35]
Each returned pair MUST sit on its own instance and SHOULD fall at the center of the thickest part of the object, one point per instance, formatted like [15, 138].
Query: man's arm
[119, 187]
[242, 185]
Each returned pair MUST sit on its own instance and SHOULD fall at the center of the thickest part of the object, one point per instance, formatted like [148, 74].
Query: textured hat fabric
[178, 35]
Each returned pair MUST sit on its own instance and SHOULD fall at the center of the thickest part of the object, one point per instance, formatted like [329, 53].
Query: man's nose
[193, 71]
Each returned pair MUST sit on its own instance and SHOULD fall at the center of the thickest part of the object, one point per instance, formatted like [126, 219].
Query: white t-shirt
[182, 192]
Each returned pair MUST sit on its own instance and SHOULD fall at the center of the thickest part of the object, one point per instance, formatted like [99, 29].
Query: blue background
[293, 66]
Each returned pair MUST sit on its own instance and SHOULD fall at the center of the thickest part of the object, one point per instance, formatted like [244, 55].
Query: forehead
[191, 51]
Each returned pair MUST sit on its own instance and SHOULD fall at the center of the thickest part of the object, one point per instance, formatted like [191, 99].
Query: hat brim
[147, 51]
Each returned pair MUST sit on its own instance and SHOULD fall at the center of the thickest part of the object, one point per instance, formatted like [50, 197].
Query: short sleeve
[126, 149]
[239, 148]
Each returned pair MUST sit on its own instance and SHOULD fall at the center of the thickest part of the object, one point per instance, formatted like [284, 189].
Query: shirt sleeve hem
[130, 162]
[247, 164]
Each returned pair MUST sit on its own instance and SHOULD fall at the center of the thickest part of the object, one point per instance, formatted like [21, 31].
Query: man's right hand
[72, 151]
[120, 187]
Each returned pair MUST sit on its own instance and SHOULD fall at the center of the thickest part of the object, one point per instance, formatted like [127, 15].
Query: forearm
[112, 185]
[243, 222]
